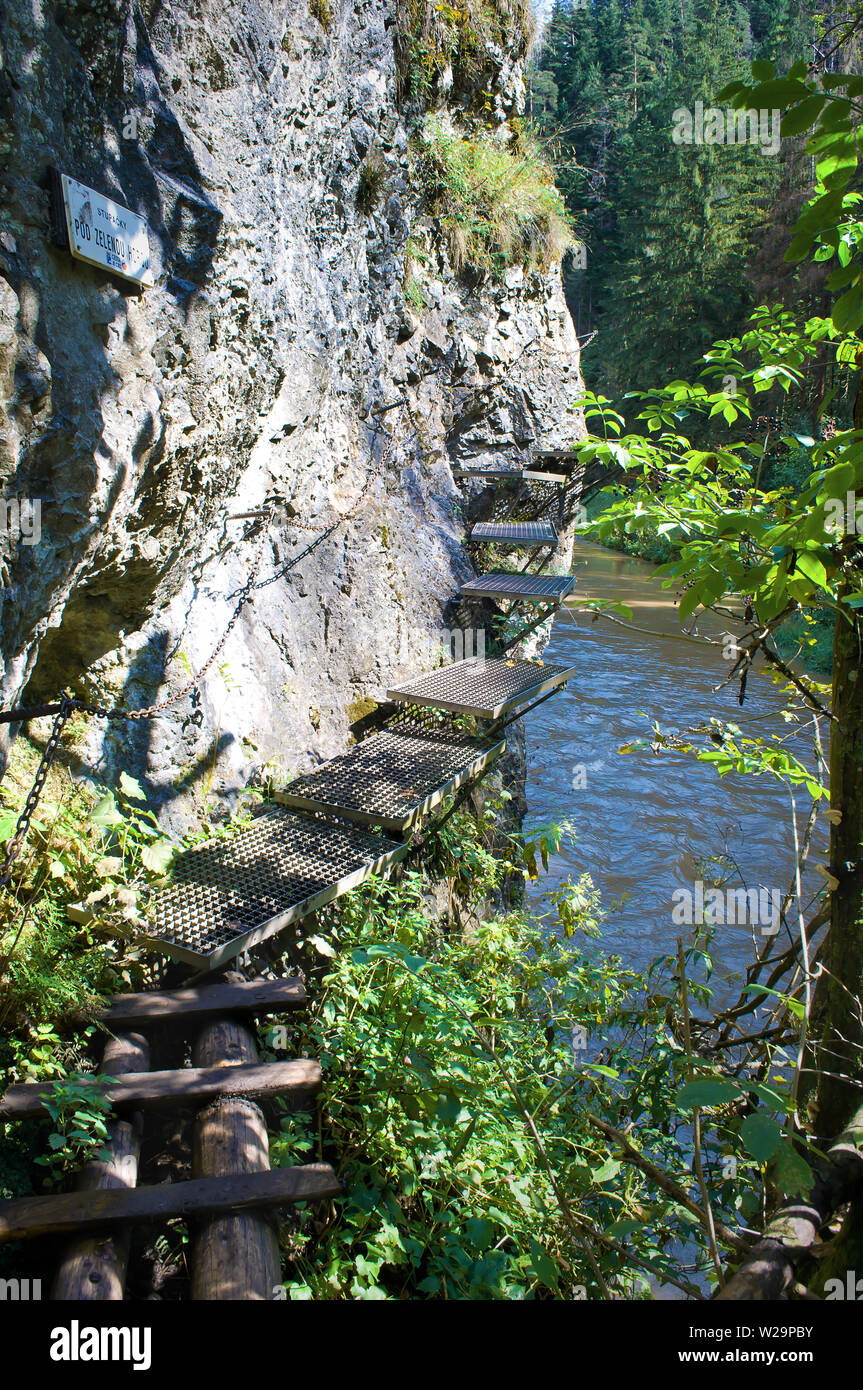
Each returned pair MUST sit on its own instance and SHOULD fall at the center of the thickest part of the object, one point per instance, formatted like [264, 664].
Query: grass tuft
[373, 176]
[496, 207]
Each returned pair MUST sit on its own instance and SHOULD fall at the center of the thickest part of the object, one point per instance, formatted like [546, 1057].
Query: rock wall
[275, 360]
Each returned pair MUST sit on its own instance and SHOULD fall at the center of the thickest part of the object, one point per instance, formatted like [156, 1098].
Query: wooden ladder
[233, 1191]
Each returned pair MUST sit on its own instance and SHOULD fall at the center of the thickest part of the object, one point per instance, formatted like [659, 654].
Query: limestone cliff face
[275, 359]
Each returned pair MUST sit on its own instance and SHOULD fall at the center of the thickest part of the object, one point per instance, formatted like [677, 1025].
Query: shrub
[495, 206]
[433, 38]
[414, 292]
[462, 1061]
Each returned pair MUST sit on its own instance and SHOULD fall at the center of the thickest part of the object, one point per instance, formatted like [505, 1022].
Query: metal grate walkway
[525, 588]
[485, 689]
[492, 474]
[230, 893]
[533, 475]
[392, 777]
[516, 533]
[327, 835]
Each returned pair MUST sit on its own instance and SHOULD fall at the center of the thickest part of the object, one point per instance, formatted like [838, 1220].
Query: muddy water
[646, 824]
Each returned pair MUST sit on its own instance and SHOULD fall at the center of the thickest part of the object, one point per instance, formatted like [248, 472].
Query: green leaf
[450, 1110]
[610, 1169]
[132, 789]
[850, 274]
[793, 1006]
[761, 1136]
[414, 963]
[731, 90]
[791, 1173]
[706, 1091]
[838, 164]
[688, 603]
[848, 309]
[809, 565]
[479, 1232]
[112, 864]
[546, 1271]
[105, 812]
[157, 856]
[801, 117]
[779, 93]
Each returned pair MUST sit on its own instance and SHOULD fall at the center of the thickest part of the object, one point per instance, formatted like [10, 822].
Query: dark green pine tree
[678, 236]
[685, 215]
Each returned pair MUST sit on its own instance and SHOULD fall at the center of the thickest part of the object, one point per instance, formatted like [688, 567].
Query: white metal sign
[105, 233]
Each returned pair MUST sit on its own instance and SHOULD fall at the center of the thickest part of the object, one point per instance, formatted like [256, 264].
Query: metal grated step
[526, 588]
[492, 474]
[533, 475]
[392, 777]
[486, 689]
[515, 533]
[230, 893]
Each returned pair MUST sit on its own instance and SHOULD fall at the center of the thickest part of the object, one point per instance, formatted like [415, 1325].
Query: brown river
[647, 825]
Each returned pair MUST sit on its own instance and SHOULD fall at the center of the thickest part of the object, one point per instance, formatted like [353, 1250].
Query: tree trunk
[93, 1268]
[837, 1028]
[836, 1024]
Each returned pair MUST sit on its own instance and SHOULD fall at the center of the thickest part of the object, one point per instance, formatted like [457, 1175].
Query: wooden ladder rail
[230, 1202]
[93, 1267]
[235, 1255]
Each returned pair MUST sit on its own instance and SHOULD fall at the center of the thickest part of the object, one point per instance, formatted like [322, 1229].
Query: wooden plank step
[485, 688]
[25, 1217]
[515, 533]
[247, 996]
[182, 1086]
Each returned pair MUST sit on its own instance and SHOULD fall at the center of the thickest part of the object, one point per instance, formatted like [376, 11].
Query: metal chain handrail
[68, 705]
[35, 792]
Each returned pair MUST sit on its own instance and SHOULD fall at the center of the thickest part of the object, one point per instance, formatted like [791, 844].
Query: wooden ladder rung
[26, 1217]
[248, 996]
[185, 1086]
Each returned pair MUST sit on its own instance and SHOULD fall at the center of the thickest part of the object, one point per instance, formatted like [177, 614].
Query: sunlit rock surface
[276, 359]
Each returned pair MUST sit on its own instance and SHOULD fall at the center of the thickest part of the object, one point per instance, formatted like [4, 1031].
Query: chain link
[243, 597]
[385, 459]
[35, 791]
